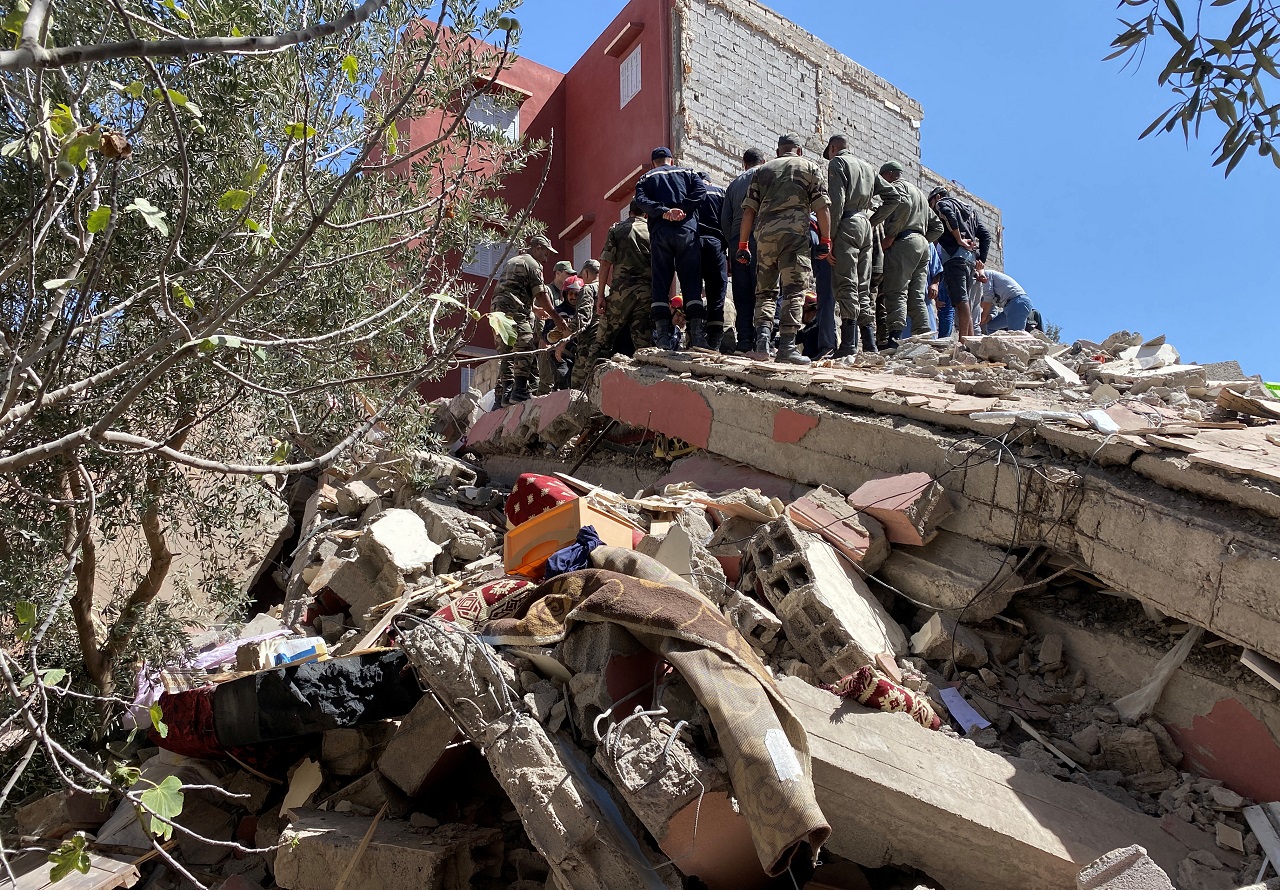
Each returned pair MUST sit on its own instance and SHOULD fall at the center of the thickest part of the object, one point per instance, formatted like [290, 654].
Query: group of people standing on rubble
[850, 243]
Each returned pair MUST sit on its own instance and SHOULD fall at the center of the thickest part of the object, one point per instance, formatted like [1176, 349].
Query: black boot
[729, 342]
[519, 392]
[764, 339]
[787, 351]
[697, 333]
[663, 334]
[893, 340]
[715, 336]
[869, 338]
[848, 339]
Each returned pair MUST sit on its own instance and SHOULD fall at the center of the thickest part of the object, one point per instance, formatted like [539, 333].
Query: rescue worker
[909, 228]
[521, 289]
[715, 268]
[670, 196]
[743, 275]
[851, 185]
[623, 301]
[782, 194]
[964, 245]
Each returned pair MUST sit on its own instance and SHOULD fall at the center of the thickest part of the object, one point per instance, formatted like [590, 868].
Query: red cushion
[533, 495]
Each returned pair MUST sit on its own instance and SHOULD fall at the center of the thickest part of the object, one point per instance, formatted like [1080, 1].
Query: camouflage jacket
[521, 278]
[627, 249]
[783, 192]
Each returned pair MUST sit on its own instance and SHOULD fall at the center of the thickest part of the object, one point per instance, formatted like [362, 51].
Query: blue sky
[1105, 232]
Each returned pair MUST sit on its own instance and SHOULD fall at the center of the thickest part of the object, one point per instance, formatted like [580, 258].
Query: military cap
[891, 167]
[659, 153]
[542, 241]
[789, 139]
[565, 266]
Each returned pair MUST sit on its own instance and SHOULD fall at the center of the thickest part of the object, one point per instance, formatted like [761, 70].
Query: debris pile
[555, 684]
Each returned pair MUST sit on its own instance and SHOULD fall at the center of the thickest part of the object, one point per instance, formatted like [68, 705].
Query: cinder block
[831, 617]
[416, 748]
[910, 505]
[861, 538]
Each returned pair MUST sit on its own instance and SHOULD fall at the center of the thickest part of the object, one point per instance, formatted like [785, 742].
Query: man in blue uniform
[670, 196]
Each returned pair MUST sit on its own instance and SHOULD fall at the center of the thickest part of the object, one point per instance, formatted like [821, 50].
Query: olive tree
[222, 262]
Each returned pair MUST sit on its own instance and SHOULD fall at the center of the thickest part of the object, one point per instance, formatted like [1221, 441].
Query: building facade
[709, 79]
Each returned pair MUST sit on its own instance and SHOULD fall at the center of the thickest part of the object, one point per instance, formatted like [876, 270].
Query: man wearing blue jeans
[999, 291]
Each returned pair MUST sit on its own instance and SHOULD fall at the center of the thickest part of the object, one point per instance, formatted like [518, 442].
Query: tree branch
[31, 55]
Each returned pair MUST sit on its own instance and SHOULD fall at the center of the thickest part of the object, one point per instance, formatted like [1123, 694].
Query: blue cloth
[576, 556]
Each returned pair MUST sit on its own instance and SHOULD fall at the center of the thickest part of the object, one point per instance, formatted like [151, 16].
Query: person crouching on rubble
[520, 290]
[678, 321]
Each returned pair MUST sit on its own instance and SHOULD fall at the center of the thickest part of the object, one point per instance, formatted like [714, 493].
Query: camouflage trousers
[521, 366]
[626, 306]
[852, 250]
[783, 258]
[586, 340]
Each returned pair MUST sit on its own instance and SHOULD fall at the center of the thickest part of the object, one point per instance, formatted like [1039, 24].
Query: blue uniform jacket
[663, 188]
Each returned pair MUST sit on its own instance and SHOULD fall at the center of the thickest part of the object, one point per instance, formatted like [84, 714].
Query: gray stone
[399, 539]
[1088, 739]
[317, 847]
[355, 497]
[1194, 876]
[417, 745]
[1127, 869]
[465, 537]
[353, 751]
[942, 639]
[954, 574]
[1131, 751]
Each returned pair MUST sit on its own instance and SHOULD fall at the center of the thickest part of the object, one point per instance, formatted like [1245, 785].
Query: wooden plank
[1266, 669]
[1264, 820]
[105, 873]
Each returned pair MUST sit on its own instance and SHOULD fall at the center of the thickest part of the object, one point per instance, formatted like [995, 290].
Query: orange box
[528, 546]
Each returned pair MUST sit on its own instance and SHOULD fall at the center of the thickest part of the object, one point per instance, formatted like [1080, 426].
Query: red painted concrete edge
[665, 406]
[1231, 744]
[789, 427]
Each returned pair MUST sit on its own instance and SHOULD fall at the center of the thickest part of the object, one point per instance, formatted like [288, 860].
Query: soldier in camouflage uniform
[626, 264]
[909, 228]
[851, 185]
[588, 323]
[520, 288]
[783, 192]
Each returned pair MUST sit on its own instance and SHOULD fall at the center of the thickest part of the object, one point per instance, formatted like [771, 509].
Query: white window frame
[630, 77]
[490, 117]
[582, 253]
[487, 259]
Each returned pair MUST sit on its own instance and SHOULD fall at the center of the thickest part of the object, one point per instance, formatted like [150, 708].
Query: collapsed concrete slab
[554, 419]
[566, 818]
[317, 847]
[909, 505]
[954, 574]
[859, 537]
[897, 793]
[831, 618]
[1143, 522]
[1127, 869]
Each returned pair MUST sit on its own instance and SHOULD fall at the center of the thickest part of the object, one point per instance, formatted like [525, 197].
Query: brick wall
[742, 75]
[990, 213]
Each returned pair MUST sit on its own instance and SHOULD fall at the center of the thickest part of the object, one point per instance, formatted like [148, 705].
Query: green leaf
[351, 67]
[127, 776]
[11, 149]
[447, 300]
[299, 130]
[71, 856]
[281, 454]
[179, 100]
[76, 151]
[53, 676]
[26, 614]
[61, 122]
[253, 176]
[157, 720]
[16, 16]
[151, 215]
[236, 32]
[393, 139]
[184, 296]
[165, 800]
[135, 89]
[97, 219]
[58, 283]
[1173, 10]
[234, 200]
[503, 327]
[219, 341]
[178, 11]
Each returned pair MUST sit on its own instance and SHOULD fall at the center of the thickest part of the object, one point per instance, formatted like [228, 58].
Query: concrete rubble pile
[497, 674]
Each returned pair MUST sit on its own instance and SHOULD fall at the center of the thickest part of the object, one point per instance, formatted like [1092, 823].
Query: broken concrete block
[942, 639]
[758, 625]
[704, 570]
[352, 751]
[1051, 651]
[1131, 751]
[728, 542]
[253, 789]
[831, 618]
[317, 847]
[561, 814]
[1127, 869]
[367, 795]
[608, 664]
[1088, 740]
[859, 537]
[954, 574]
[1004, 647]
[910, 506]
[363, 583]
[465, 537]
[355, 497]
[668, 785]
[399, 538]
[414, 750]
[56, 814]
[1194, 876]
[972, 819]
